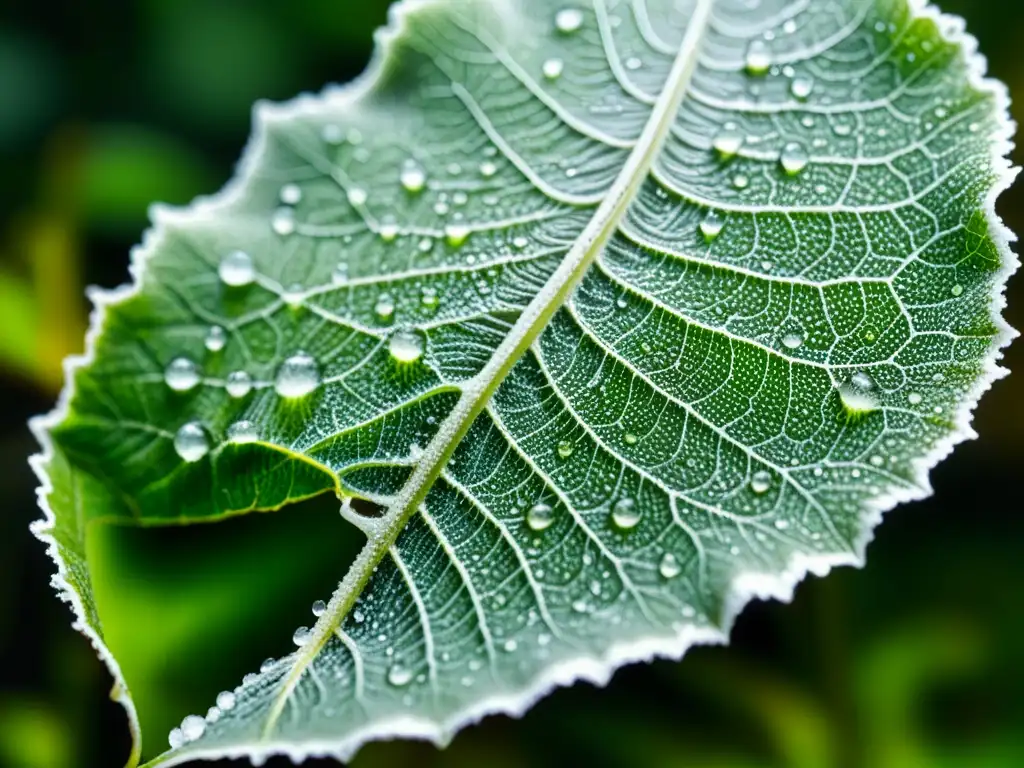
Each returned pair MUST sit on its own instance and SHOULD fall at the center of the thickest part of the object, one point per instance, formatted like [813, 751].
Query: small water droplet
[540, 516]
[758, 59]
[801, 87]
[175, 738]
[216, 338]
[406, 347]
[283, 221]
[456, 234]
[192, 727]
[740, 181]
[711, 225]
[301, 636]
[728, 141]
[238, 384]
[267, 665]
[510, 645]
[630, 438]
[520, 242]
[191, 442]
[385, 307]
[181, 374]
[625, 514]
[226, 701]
[792, 340]
[413, 178]
[580, 606]
[565, 448]
[782, 524]
[357, 196]
[669, 566]
[332, 134]
[488, 169]
[319, 608]
[213, 714]
[399, 675]
[793, 158]
[914, 398]
[297, 376]
[236, 269]
[956, 290]
[760, 481]
[633, 63]
[243, 431]
[552, 68]
[568, 20]
[291, 194]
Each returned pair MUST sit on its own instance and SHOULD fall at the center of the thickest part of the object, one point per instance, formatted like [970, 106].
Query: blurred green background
[107, 106]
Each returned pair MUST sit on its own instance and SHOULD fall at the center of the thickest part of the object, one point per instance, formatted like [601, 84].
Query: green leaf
[612, 317]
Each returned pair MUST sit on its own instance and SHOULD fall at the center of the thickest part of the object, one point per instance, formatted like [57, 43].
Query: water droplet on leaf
[181, 374]
[236, 269]
[406, 347]
[191, 442]
[568, 20]
[625, 514]
[540, 516]
[297, 376]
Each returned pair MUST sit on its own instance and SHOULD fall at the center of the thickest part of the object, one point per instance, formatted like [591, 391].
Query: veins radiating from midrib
[529, 325]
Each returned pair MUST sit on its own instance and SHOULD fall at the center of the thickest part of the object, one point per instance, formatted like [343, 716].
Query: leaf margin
[744, 586]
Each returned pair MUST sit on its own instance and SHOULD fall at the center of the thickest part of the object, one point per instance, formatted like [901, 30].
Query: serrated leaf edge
[598, 671]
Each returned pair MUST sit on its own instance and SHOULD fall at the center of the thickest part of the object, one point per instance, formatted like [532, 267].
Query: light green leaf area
[612, 315]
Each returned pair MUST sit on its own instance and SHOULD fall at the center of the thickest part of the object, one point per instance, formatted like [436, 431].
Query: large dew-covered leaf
[610, 315]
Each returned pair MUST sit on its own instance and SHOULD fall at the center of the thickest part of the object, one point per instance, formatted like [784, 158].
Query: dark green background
[105, 106]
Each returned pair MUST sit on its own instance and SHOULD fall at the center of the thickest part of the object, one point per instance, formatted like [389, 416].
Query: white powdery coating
[595, 669]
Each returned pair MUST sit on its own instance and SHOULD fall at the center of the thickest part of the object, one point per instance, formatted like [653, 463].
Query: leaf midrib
[478, 391]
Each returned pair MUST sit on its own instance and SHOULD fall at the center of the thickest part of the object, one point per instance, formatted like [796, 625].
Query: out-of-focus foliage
[106, 106]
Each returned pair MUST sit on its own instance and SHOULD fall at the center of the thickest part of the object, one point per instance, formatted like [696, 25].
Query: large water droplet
[758, 58]
[456, 234]
[236, 269]
[568, 20]
[552, 68]
[175, 738]
[406, 347]
[291, 194]
[857, 393]
[238, 384]
[298, 376]
[540, 516]
[191, 442]
[192, 727]
[565, 448]
[793, 158]
[413, 178]
[712, 224]
[243, 431]
[669, 566]
[319, 608]
[181, 374]
[801, 87]
[216, 338]
[399, 675]
[761, 481]
[301, 636]
[226, 701]
[728, 140]
[625, 514]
